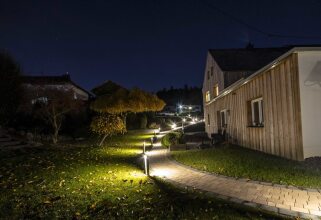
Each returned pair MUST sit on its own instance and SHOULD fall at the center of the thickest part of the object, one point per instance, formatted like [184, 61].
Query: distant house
[62, 82]
[267, 99]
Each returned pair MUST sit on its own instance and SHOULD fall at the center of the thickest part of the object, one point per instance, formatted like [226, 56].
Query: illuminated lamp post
[144, 148]
[146, 164]
[183, 120]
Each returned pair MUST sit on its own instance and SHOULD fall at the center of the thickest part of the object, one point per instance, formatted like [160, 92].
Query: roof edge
[243, 81]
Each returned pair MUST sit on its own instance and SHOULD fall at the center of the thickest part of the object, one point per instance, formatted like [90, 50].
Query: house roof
[246, 59]
[271, 64]
[51, 80]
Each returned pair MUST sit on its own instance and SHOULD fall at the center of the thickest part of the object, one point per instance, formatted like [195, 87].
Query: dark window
[257, 118]
[223, 118]
[208, 119]
[212, 70]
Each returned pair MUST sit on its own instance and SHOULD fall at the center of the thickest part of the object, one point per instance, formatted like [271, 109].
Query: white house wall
[310, 94]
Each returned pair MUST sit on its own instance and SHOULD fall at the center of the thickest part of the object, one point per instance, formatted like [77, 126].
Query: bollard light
[144, 147]
[146, 164]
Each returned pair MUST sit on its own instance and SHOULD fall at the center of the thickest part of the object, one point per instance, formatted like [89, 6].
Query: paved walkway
[281, 199]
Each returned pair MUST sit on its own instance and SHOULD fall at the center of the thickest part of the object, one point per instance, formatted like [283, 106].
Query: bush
[153, 125]
[172, 138]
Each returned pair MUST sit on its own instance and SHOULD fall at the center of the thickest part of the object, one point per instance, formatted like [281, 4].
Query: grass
[236, 161]
[83, 181]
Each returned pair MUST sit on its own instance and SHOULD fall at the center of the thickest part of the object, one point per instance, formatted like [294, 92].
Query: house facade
[60, 82]
[266, 99]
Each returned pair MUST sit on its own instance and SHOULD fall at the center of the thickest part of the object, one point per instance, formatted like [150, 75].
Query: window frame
[261, 112]
[224, 111]
[215, 90]
[207, 96]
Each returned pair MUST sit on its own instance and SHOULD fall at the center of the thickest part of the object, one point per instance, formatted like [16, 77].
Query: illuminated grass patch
[85, 181]
[241, 162]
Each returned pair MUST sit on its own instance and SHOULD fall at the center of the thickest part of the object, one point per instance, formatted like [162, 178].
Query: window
[208, 74]
[215, 90]
[208, 120]
[43, 100]
[212, 70]
[208, 96]
[223, 117]
[257, 112]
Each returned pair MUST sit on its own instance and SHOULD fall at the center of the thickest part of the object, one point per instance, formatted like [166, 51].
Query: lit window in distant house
[257, 112]
[43, 100]
[207, 96]
[215, 90]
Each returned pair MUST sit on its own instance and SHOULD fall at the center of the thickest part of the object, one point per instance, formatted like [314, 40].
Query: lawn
[236, 161]
[83, 181]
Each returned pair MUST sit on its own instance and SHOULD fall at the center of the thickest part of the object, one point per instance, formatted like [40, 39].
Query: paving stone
[315, 212]
[288, 212]
[297, 209]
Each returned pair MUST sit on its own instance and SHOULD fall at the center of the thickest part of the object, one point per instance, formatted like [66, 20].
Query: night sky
[150, 44]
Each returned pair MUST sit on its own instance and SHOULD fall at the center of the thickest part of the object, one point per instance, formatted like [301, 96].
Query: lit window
[257, 112]
[43, 100]
[208, 96]
[215, 90]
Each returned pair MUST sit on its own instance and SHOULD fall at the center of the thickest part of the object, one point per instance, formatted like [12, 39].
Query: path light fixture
[173, 126]
[144, 148]
[183, 120]
[146, 164]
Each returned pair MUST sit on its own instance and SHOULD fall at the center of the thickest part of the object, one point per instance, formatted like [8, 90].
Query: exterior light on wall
[173, 126]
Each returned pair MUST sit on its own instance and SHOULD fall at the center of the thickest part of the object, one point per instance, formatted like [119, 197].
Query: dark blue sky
[151, 44]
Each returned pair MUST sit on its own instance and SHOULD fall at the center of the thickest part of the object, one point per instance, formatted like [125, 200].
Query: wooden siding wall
[282, 132]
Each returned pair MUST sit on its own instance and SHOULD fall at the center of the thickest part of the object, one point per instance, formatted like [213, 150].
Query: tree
[107, 125]
[115, 100]
[51, 105]
[10, 87]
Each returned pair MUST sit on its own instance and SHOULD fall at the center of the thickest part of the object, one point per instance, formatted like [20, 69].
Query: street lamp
[180, 109]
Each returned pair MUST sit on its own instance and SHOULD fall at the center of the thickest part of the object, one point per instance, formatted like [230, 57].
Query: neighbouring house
[61, 82]
[266, 99]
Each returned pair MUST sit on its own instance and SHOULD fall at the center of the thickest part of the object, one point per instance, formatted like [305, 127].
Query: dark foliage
[186, 95]
[10, 87]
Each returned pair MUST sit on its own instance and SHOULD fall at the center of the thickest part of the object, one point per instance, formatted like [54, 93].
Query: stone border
[279, 211]
[168, 155]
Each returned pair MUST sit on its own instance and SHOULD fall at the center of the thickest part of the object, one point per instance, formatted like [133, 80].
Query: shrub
[172, 138]
[153, 125]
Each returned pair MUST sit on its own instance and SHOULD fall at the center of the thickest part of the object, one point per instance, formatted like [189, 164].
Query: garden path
[281, 199]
